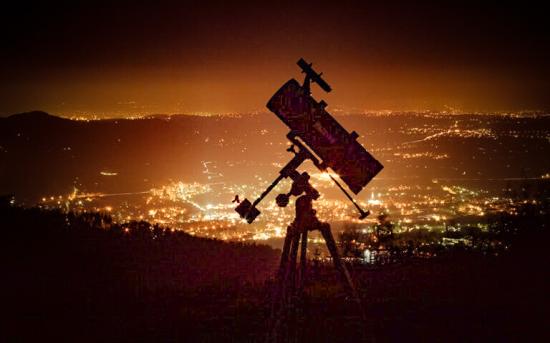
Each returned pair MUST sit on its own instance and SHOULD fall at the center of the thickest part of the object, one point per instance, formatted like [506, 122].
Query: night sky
[212, 57]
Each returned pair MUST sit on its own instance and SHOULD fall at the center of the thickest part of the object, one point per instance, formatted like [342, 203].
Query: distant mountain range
[41, 154]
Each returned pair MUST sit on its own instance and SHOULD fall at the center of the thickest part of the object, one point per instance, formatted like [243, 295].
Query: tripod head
[248, 210]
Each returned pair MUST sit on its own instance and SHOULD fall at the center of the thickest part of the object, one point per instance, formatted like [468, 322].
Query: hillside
[82, 278]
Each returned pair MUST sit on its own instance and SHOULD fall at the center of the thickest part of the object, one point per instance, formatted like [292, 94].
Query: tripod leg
[278, 300]
[282, 310]
[303, 261]
[293, 259]
[340, 266]
[284, 255]
[288, 266]
[290, 293]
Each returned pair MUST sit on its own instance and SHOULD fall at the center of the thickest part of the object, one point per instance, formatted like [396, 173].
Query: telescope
[315, 135]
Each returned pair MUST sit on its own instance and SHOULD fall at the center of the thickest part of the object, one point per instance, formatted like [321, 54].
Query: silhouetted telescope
[319, 138]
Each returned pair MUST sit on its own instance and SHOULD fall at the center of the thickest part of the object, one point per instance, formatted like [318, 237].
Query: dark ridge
[86, 278]
[33, 116]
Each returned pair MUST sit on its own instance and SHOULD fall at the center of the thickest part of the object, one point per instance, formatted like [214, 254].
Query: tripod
[290, 280]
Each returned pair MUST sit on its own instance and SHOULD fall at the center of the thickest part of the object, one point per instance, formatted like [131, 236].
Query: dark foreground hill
[80, 277]
[83, 278]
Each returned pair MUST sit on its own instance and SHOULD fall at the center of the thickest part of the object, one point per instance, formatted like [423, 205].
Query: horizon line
[134, 116]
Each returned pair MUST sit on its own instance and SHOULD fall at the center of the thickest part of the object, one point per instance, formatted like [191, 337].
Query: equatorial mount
[248, 210]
